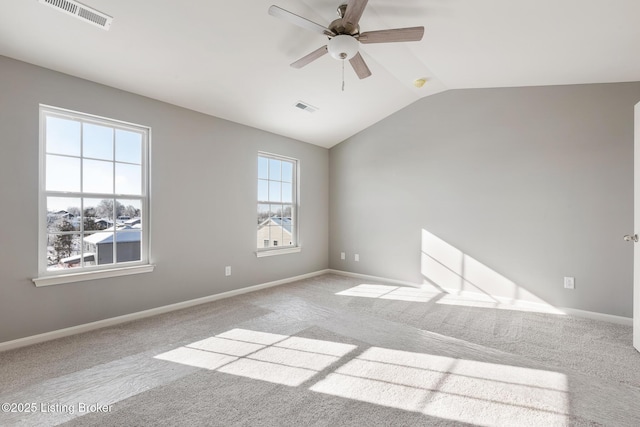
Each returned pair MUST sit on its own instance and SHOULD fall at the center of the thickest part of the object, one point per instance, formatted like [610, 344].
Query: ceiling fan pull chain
[343, 75]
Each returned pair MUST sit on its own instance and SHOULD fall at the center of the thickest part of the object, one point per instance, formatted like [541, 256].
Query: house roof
[76, 258]
[284, 222]
[105, 220]
[133, 221]
[122, 236]
[231, 59]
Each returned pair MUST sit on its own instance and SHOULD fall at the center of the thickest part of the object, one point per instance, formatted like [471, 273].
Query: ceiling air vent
[306, 107]
[82, 12]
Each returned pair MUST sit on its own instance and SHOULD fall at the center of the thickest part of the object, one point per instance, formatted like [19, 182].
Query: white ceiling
[231, 59]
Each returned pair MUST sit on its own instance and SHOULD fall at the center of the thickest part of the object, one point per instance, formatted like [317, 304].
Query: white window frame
[54, 277]
[295, 208]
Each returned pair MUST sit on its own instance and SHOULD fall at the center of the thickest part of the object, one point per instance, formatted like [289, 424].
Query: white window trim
[272, 252]
[284, 250]
[47, 278]
[92, 275]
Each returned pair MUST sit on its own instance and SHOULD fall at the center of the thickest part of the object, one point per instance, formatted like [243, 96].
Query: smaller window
[277, 203]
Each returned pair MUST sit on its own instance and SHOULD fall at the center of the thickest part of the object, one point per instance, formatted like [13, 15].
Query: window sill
[272, 252]
[91, 275]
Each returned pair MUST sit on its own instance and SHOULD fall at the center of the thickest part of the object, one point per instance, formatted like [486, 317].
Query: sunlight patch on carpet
[196, 358]
[425, 293]
[262, 356]
[399, 293]
[480, 301]
[456, 389]
[461, 390]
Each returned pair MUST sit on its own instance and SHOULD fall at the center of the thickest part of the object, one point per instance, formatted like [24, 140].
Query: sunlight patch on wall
[459, 274]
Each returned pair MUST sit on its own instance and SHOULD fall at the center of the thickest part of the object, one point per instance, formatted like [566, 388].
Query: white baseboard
[377, 278]
[627, 321]
[620, 320]
[60, 333]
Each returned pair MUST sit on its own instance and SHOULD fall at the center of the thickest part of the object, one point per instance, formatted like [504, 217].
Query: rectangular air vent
[80, 11]
[306, 107]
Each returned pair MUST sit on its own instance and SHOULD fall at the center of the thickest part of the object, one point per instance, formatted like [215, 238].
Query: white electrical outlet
[343, 255]
[357, 257]
[569, 283]
[227, 270]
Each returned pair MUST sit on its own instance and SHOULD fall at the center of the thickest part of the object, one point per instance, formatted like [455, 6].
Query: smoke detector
[80, 11]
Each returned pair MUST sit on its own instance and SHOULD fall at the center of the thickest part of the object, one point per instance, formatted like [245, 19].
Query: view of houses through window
[94, 191]
[78, 234]
[277, 200]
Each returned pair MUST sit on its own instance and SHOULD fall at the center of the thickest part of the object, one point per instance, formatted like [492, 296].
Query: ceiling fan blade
[279, 12]
[310, 57]
[411, 34]
[354, 12]
[359, 66]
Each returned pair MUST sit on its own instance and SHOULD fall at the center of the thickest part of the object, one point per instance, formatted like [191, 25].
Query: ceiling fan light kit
[343, 47]
[344, 35]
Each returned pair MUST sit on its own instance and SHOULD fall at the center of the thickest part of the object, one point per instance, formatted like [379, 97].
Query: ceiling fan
[344, 35]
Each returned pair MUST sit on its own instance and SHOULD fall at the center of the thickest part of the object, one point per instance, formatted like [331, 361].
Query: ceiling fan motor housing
[343, 47]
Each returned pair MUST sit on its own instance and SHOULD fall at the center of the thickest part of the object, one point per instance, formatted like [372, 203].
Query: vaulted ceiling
[231, 59]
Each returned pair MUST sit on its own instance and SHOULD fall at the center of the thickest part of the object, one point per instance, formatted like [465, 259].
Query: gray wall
[203, 205]
[522, 186]
[501, 191]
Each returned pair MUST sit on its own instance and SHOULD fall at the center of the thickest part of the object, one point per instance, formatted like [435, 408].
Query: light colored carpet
[332, 350]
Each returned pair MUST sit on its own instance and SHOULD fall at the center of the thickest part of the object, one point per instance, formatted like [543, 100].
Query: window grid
[137, 200]
[277, 202]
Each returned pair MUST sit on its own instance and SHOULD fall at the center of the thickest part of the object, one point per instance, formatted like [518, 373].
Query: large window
[277, 204]
[94, 206]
